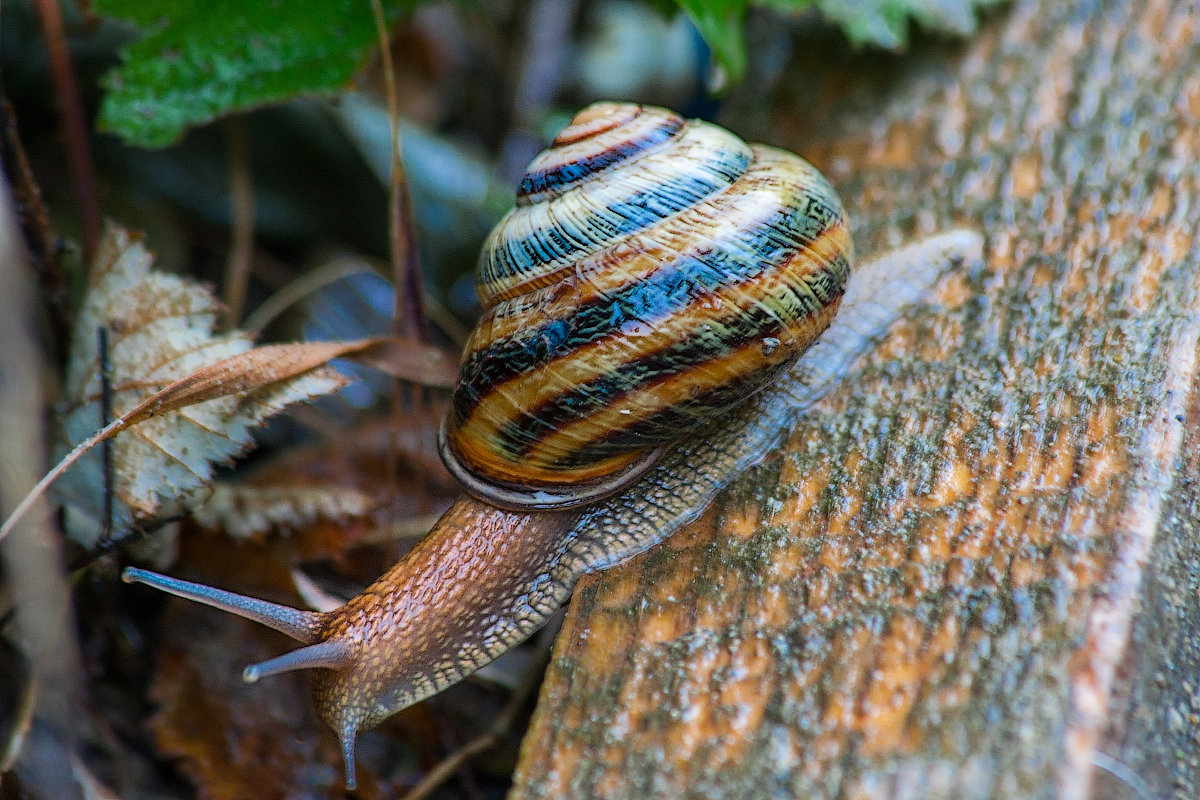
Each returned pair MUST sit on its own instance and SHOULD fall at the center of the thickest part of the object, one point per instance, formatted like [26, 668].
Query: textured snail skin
[485, 578]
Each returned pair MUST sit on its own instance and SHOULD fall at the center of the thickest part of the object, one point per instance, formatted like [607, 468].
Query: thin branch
[79, 156]
[106, 449]
[79, 558]
[410, 317]
[241, 195]
[38, 232]
[409, 320]
[303, 286]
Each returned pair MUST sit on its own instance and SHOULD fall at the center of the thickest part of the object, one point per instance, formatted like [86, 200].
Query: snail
[655, 275]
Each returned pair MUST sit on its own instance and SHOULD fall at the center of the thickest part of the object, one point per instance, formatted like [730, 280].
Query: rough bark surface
[975, 570]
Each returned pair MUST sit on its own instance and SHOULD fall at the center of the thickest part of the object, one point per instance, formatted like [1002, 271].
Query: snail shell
[654, 273]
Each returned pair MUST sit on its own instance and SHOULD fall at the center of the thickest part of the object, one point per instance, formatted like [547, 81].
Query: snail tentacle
[329, 654]
[347, 734]
[303, 626]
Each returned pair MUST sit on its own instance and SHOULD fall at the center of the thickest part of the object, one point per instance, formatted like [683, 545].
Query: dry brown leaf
[243, 511]
[410, 361]
[240, 374]
[193, 395]
[392, 461]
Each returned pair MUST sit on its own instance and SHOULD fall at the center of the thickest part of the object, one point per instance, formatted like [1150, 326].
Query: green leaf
[201, 59]
[720, 23]
[884, 23]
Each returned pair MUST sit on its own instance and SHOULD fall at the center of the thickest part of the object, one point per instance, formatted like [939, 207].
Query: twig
[79, 559]
[331, 272]
[446, 322]
[409, 319]
[304, 285]
[38, 232]
[464, 776]
[79, 156]
[106, 450]
[410, 315]
[241, 195]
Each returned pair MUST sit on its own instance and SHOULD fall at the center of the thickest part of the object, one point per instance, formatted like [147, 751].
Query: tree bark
[972, 571]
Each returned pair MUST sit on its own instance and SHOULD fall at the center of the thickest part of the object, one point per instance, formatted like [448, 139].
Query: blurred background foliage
[481, 87]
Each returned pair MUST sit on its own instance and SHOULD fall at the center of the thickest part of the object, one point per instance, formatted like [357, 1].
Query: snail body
[576, 329]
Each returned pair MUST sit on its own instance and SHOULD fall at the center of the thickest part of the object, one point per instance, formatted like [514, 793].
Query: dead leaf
[243, 511]
[272, 376]
[196, 395]
[186, 398]
[393, 461]
[411, 361]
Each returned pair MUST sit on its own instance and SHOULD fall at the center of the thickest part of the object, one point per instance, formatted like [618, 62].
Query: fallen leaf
[183, 398]
[243, 511]
[411, 361]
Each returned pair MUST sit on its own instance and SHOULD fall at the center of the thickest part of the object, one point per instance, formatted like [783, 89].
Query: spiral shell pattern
[654, 272]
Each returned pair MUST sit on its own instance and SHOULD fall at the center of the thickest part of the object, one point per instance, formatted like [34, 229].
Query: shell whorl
[654, 272]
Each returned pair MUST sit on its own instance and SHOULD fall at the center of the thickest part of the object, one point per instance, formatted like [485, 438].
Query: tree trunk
[973, 570]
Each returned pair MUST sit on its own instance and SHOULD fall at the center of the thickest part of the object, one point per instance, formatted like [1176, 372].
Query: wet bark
[972, 571]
